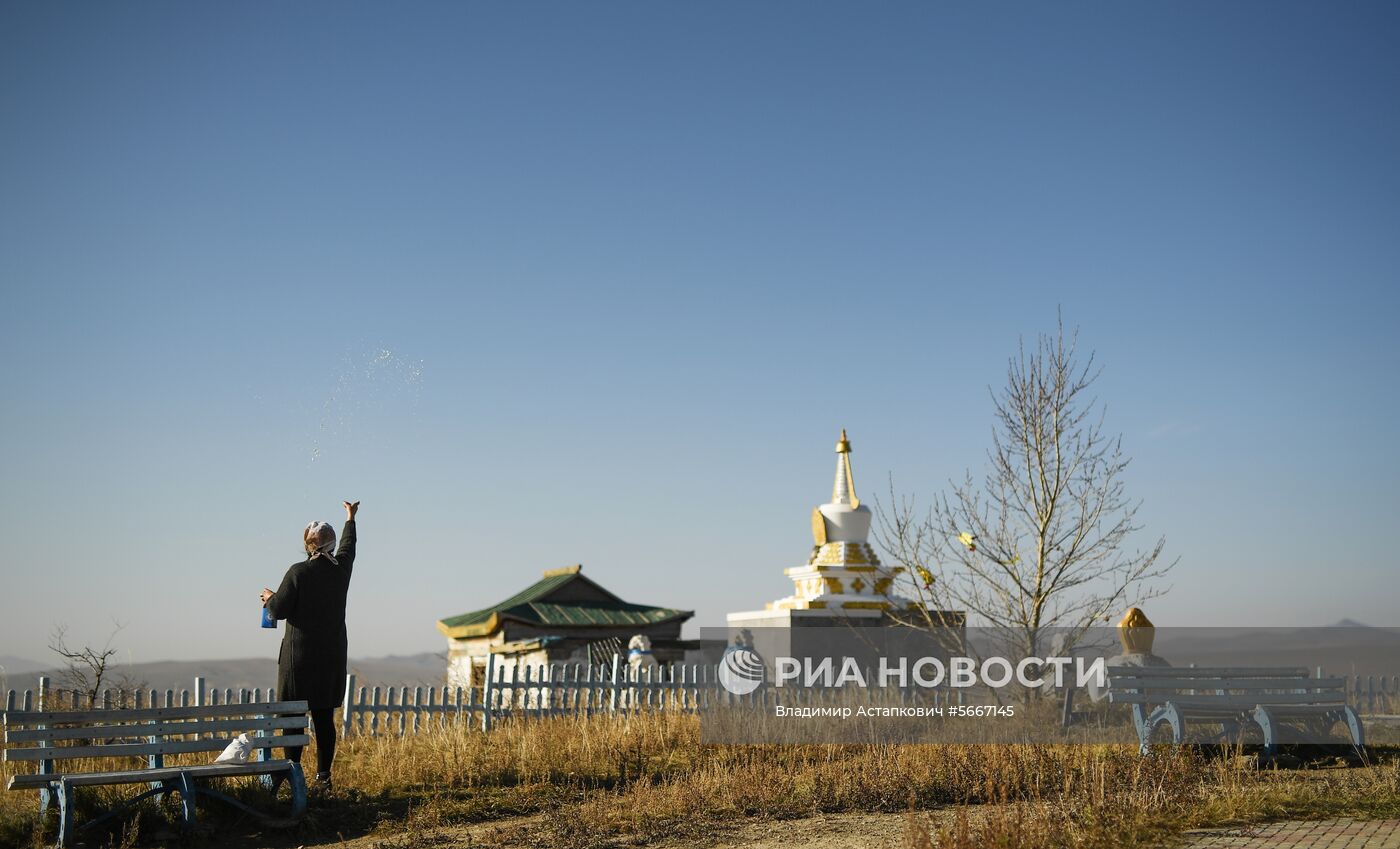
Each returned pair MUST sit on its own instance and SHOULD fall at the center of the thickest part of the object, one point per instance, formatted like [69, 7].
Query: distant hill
[1346, 648]
[1348, 623]
[425, 669]
[18, 665]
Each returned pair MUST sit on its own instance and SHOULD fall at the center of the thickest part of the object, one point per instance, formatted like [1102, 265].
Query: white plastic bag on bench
[236, 752]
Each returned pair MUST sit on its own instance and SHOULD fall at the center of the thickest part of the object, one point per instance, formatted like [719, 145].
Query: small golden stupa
[1135, 632]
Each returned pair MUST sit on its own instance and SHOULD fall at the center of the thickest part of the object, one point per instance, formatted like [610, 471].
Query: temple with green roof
[565, 617]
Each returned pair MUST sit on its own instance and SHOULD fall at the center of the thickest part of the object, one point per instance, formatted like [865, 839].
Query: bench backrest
[1222, 687]
[65, 735]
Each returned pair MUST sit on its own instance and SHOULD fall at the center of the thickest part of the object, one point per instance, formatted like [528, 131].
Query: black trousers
[323, 723]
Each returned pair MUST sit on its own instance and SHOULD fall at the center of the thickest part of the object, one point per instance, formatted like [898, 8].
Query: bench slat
[1196, 709]
[1243, 700]
[141, 776]
[1285, 711]
[1158, 684]
[117, 750]
[156, 729]
[17, 718]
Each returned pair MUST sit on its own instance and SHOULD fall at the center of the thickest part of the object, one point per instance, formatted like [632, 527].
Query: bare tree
[87, 669]
[1041, 543]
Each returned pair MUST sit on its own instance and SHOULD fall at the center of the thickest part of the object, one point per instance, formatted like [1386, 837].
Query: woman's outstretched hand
[350, 508]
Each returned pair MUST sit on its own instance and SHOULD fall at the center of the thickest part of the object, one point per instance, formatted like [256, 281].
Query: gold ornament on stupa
[1135, 632]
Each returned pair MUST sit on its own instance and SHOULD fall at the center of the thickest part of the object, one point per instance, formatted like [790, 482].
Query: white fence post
[45, 766]
[612, 704]
[348, 712]
[487, 689]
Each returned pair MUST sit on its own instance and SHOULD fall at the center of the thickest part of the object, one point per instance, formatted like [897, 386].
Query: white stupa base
[797, 618]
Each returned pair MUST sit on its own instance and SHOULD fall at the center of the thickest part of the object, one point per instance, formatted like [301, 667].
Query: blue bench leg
[45, 794]
[1265, 720]
[298, 780]
[1167, 713]
[1144, 731]
[1358, 735]
[187, 791]
[1177, 723]
[66, 813]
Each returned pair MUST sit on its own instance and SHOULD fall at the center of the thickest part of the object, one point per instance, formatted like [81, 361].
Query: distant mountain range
[11, 665]
[1348, 623]
[1346, 648]
[426, 669]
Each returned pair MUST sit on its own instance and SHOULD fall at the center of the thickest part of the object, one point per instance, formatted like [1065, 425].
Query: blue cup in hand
[267, 620]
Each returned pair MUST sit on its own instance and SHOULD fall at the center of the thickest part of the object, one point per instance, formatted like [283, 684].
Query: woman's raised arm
[345, 554]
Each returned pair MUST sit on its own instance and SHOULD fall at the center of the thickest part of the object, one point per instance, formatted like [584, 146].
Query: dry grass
[610, 781]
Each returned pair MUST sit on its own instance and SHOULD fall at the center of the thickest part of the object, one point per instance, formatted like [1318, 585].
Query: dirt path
[887, 831]
[832, 831]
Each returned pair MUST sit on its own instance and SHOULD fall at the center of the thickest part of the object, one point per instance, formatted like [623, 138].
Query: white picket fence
[573, 689]
[48, 698]
[508, 692]
[1375, 694]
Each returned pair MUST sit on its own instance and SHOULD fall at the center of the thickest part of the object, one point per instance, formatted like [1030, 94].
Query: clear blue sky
[633, 265]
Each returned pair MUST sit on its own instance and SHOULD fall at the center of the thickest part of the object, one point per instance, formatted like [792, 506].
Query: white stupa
[843, 577]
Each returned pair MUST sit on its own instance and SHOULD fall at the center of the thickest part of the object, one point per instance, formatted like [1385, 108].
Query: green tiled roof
[538, 589]
[531, 605]
[598, 614]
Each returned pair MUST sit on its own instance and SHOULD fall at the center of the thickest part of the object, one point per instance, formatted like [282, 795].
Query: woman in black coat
[311, 665]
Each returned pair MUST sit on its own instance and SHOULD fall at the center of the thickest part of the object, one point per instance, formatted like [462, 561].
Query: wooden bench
[45, 737]
[1276, 701]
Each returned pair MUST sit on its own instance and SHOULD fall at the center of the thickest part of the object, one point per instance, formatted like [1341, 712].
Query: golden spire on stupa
[844, 490]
